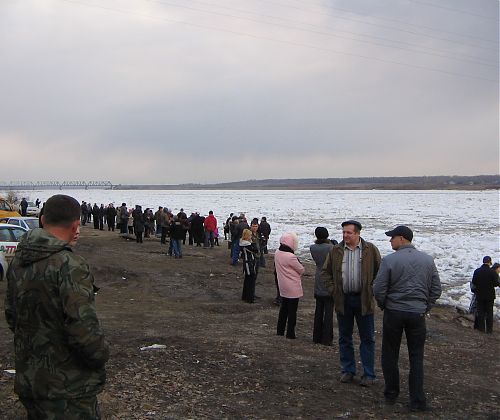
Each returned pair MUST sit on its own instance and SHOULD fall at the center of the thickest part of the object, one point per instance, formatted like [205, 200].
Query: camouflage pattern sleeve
[84, 333]
[10, 307]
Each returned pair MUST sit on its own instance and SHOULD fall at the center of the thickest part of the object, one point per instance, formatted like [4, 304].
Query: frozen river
[456, 227]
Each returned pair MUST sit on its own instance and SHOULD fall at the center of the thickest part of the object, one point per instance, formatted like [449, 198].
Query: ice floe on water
[456, 227]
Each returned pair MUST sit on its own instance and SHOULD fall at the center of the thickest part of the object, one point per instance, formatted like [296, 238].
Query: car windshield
[18, 232]
[31, 204]
[32, 223]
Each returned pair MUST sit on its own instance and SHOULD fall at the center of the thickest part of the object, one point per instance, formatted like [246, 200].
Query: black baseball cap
[403, 231]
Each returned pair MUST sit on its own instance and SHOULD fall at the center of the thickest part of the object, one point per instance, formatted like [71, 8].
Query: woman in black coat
[249, 252]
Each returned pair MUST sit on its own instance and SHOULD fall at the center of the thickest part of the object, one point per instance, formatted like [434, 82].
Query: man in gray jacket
[406, 286]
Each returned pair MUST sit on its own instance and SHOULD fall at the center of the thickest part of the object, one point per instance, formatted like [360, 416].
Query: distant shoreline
[470, 183]
[467, 183]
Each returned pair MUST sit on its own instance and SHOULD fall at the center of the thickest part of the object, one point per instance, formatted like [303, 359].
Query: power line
[280, 41]
[439, 53]
[452, 9]
[378, 25]
[415, 25]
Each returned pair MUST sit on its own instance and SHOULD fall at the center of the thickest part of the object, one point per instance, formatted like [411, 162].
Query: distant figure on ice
[406, 287]
[37, 202]
[484, 281]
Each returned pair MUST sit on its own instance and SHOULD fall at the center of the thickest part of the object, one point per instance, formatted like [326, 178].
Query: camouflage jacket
[60, 350]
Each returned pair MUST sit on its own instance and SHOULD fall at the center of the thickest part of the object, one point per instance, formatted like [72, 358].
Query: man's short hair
[61, 210]
[355, 223]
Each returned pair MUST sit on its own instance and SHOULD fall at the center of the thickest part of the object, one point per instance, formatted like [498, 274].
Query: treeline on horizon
[477, 182]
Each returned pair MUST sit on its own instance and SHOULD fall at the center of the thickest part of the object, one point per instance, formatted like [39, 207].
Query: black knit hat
[321, 232]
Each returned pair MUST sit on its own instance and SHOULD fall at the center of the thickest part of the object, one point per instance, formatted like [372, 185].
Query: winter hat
[291, 240]
[321, 232]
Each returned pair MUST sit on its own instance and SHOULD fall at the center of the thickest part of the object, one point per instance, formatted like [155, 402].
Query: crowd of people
[351, 278]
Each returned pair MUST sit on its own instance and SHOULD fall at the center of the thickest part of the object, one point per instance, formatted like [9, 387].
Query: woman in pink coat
[288, 271]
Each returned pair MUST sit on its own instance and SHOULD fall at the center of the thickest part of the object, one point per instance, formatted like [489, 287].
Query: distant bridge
[55, 185]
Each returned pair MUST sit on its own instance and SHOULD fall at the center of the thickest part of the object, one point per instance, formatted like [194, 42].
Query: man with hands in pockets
[406, 286]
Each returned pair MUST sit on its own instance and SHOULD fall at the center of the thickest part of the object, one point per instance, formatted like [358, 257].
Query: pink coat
[288, 269]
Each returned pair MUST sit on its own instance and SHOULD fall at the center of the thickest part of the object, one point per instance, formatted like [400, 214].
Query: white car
[3, 266]
[27, 223]
[10, 235]
[32, 209]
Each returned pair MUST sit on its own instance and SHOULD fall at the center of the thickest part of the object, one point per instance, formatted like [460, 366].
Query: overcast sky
[175, 91]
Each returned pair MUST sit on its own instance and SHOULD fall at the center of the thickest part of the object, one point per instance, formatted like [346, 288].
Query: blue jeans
[413, 325]
[176, 247]
[235, 251]
[366, 328]
[209, 238]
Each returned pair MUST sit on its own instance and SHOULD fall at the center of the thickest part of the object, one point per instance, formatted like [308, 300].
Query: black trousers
[323, 320]
[248, 294]
[164, 231]
[484, 315]
[287, 316]
[414, 327]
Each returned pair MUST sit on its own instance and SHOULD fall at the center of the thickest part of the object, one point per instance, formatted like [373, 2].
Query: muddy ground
[222, 357]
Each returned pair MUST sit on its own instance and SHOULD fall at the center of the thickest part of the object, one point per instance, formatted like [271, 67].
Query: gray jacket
[319, 253]
[407, 281]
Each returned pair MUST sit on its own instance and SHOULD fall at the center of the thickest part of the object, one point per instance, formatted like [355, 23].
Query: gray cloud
[144, 91]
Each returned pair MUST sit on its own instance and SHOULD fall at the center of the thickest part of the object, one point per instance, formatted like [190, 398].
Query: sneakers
[346, 377]
[366, 381]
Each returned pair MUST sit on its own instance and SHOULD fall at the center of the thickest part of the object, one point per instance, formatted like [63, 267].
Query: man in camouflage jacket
[60, 350]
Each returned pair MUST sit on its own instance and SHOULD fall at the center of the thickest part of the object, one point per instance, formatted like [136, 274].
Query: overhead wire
[452, 9]
[416, 25]
[378, 25]
[421, 50]
[279, 41]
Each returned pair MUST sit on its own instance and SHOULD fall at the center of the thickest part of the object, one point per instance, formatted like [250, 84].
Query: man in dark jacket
[264, 232]
[60, 349]
[348, 274]
[484, 282]
[406, 286]
[236, 236]
[111, 217]
[24, 207]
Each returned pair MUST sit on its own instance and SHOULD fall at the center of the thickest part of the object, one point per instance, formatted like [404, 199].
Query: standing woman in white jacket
[289, 272]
